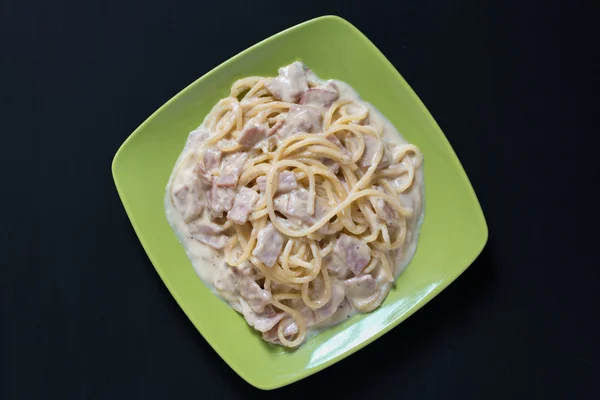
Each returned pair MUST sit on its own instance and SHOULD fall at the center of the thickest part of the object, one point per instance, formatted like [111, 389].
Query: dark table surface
[85, 316]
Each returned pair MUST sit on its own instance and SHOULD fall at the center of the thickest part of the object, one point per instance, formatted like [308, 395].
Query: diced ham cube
[229, 180]
[290, 84]
[251, 135]
[247, 270]
[343, 311]
[225, 279]
[295, 206]
[333, 166]
[209, 234]
[185, 201]
[205, 177]
[361, 286]
[290, 329]
[262, 322]
[220, 200]
[180, 198]
[212, 158]
[269, 245]
[333, 139]
[287, 181]
[243, 206]
[361, 290]
[301, 119]
[383, 210]
[195, 138]
[371, 147]
[335, 266]
[352, 252]
[193, 209]
[319, 97]
[205, 228]
[387, 158]
[256, 297]
[231, 169]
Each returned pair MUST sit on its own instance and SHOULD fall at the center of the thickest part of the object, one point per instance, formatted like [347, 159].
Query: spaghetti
[309, 195]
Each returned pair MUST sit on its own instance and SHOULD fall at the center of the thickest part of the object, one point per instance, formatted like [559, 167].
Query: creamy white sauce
[206, 260]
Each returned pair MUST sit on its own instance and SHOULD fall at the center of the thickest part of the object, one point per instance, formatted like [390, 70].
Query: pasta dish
[297, 202]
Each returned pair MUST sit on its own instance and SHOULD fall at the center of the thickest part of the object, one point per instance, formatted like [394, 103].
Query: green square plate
[452, 236]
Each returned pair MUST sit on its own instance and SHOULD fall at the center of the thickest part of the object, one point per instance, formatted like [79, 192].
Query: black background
[85, 316]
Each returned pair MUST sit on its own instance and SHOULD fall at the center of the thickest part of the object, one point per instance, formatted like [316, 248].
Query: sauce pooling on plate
[297, 202]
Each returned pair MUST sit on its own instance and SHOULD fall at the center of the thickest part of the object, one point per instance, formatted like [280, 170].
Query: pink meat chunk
[290, 329]
[338, 294]
[251, 135]
[286, 182]
[188, 206]
[387, 158]
[205, 228]
[319, 97]
[262, 322]
[269, 245]
[203, 175]
[246, 269]
[193, 211]
[383, 210]
[371, 148]
[343, 311]
[290, 84]
[360, 287]
[231, 169]
[335, 266]
[333, 139]
[212, 158]
[353, 252]
[294, 205]
[209, 234]
[225, 279]
[243, 206]
[220, 200]
[196, 137]
[301, 119]
[333, 166]
[256, 297]
[180, 198]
